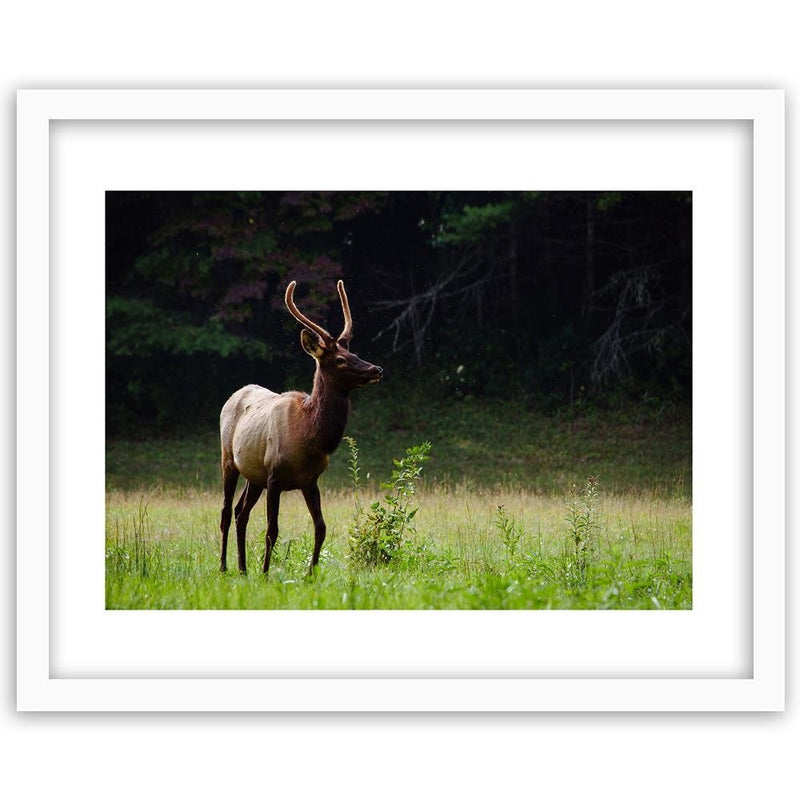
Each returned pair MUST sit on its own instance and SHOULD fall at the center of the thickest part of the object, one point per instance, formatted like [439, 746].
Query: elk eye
[341, 361]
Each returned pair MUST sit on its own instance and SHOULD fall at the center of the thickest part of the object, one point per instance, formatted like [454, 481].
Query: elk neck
[328, 409]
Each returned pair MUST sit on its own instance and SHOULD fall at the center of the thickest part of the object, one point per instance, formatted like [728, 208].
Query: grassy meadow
[514, 509]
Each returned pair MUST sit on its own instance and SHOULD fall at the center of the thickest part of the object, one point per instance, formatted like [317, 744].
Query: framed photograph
[577, 299]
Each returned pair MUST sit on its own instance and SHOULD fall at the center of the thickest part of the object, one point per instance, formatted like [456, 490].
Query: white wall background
[569, 44]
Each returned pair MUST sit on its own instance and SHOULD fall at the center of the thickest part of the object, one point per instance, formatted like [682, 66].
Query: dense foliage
[562, 297]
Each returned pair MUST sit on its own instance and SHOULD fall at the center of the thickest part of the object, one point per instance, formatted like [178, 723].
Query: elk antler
[347, 333]
[301, 318]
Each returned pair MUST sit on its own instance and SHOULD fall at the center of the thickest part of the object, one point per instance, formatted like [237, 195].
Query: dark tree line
[565, 297]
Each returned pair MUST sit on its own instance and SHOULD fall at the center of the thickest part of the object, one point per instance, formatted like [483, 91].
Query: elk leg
[273, 506]
[230, 476]
[240, 503]
[248, 499]
[311, 495]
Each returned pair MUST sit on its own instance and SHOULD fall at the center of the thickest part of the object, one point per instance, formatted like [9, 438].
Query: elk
[282, 442]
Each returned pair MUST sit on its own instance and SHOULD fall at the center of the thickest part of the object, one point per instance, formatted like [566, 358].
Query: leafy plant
[511, 532]
[378, 533]
[353, 468]
[583, 521]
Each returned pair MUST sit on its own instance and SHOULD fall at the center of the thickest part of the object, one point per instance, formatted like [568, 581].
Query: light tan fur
[264, 434]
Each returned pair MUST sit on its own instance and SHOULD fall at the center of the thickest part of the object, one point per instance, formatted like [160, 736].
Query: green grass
[163, 502]
[484, 443]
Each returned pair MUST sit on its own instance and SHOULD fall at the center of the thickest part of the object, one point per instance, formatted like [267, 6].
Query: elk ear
[312, 343]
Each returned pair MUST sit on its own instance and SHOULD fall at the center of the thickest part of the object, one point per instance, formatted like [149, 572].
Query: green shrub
[511, 532]
[378, 533]
[583, 520]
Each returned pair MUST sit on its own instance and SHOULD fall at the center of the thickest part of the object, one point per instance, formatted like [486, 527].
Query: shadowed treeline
[567, 299]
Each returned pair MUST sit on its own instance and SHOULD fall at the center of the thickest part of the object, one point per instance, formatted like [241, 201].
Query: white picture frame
[59, 536]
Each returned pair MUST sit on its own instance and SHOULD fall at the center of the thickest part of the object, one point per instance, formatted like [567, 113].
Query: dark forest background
[566, 299]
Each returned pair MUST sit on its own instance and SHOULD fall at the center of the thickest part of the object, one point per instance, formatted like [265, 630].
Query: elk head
[343, 369]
